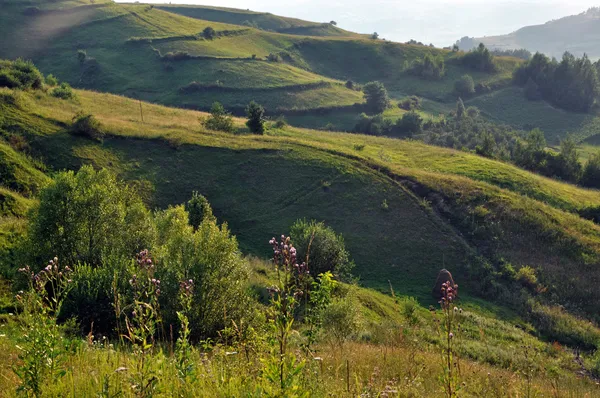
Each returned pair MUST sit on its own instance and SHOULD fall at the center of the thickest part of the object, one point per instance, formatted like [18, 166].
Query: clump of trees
[571, 84]
[219, 119]
[376, 97]
[410, 103]
[480, 59]
[430, 67]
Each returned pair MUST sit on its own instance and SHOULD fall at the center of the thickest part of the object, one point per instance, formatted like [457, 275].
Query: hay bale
[443, 277]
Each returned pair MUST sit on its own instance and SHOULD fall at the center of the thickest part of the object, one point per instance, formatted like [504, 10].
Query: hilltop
[576, 34]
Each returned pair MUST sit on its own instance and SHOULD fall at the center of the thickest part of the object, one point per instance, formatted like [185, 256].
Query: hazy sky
[439, 21]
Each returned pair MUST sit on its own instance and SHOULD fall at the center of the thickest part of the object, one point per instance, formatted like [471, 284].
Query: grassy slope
[324, 177]
[509, 106]
[265, 21]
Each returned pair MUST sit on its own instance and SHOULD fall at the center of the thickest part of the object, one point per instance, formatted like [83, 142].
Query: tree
[480, 59]
[591, 172]
[256, 118]
[209, 33]
[81, 56]
[375, 36]
[376, 97]
[465, 86]
[321, 248]
[569, 167]
[431, 67]
[460, 109]
[86, 216]
[198, 210]
[333, 23]
[410, 123]
[531, 90]
[219, 119]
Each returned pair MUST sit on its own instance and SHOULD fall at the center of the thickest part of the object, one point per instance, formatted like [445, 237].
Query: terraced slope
[442, 207]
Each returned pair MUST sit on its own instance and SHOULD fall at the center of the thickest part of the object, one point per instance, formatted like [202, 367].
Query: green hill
[442, 206]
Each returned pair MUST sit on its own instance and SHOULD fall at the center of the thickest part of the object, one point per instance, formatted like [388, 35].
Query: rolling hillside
[442, 207]
[578, 34]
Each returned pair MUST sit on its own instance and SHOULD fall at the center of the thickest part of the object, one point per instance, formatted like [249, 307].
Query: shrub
[198, 210]
[473, 112]
[272, 57]
[51, 80]
[410, 123]
[591, 172]
[280, 122]
[431, 67]
[87, 125]
[321, 248]
[64, 91]
[87, 216]
[210, 256]
[465, 86]
[374, 125]
[219, 119]
[409, 307]
[176, 56]
[480, 59]
[526, 276]
[209, 33]
[81, 56]
[376, 97]
[20, 74]
[350, 84]
[410, 103]
[341, 319]
[256, 118]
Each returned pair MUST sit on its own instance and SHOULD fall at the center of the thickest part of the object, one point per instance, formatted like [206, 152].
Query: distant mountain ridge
[577, 34]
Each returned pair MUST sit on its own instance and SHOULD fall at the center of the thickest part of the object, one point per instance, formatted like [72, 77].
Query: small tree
[209, 33]
[81, 56]
[87, 125]
[465, 86]
[591, 172]
[531, 90]
[321, 248]
[198, 209]
[375, 36]
[460, 109]
[376, 96]
[333, 23]
[256, 118]
[219, 119]
[410, 123]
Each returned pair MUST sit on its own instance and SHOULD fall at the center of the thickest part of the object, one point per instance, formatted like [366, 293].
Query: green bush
[431, 67]
[256, 118]
[411, 123]
[376, 97]
[87, 125]
[341, 319]
[327, 249]
[209, 33]
[465, 86]
[526, 276]
[198, 210]
[480, 59]
[219, 119]
[272, 57]
[591, 172]
[64, 91]
[20, 74]
[410, 103]
[210, 256]
[86, 217]
[51, 80]
[280, 122]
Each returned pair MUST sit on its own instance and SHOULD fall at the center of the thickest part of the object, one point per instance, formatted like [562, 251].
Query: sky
[440, 22]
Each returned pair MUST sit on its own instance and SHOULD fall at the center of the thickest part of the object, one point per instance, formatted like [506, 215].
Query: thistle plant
[141, 320]
[320, 298]
[448, 327]
[284, 301]
[41, 345]
[184, 362]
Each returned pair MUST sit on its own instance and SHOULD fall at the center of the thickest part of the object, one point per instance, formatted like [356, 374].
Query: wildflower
[451, 335]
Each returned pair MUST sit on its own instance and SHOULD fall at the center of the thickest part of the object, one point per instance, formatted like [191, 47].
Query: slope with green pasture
[405, 209]
[261, 20]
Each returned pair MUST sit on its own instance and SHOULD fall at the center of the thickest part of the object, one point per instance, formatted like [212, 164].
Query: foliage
[219, 119]
[41, 343]
[517, 53]
[81, 56]
[373, 125]
[461, 112]
[87, 216]
[320, 298]
[209, 33]
[430, 67]
[376, 97]
[272, 57]
[480, 59]
[20, 74]
[465, 86]
[198, 210]
[410, 103]
[527, 277]
[321, 248]
[411, 123]
[531, 90]
[570, 84]
[51, 80]
[210, 257]
[86, 125]
[341, 319]
[64, 91]
[591, 172]
[256, 118]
